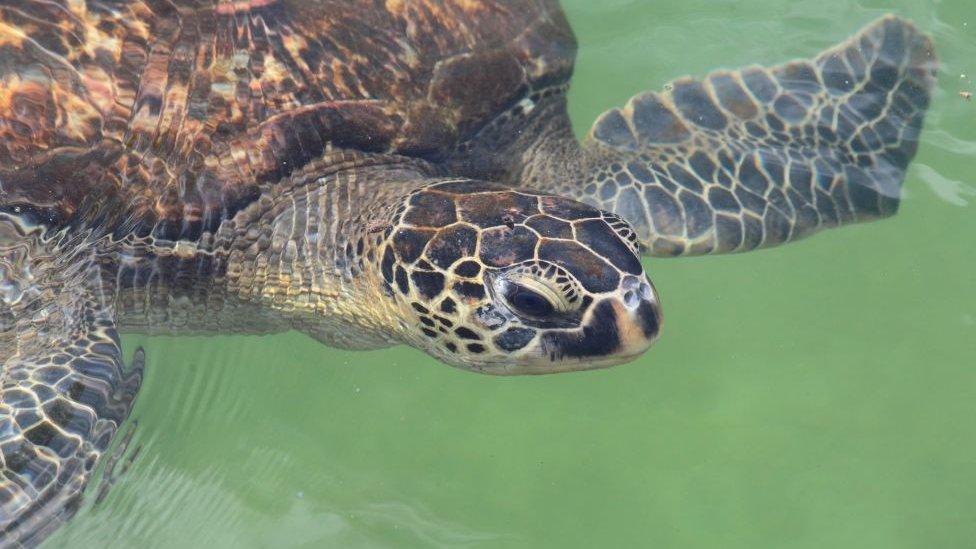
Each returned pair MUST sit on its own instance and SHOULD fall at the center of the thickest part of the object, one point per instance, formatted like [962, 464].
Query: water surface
[816, 395]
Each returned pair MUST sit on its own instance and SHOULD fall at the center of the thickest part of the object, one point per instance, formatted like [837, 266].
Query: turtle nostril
[636, 289]
[631, 300]
[645, 291]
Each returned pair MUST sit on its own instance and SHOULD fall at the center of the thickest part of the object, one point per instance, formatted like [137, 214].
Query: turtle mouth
[545, 367]
[612, 334]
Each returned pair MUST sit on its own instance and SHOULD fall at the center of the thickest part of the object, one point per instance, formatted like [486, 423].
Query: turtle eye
[538, 293]
[528, 302]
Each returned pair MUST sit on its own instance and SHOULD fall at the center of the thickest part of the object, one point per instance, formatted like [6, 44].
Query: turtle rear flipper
[64, 389]
[757, 157]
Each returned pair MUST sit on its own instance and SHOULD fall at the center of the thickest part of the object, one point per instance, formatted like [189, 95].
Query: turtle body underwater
[379, 173]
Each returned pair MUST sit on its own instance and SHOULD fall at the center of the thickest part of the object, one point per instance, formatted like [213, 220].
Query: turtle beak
[615, 331]
[638, 328]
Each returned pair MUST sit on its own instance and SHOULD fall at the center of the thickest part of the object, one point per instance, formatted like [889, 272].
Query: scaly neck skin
[552, 160]
[314, 261]
[535, 149]
[540, 151]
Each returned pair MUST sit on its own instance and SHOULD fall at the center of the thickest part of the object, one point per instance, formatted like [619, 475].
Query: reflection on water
[956, 193]
[816, 395]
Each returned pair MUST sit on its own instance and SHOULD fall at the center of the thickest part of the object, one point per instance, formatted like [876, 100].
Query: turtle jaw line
[612, 333]
[540, 365]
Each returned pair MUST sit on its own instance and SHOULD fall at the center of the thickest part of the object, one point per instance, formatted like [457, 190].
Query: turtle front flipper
[64, 389]
[761, 156]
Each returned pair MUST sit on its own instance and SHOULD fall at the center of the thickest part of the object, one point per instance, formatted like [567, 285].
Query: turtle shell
[167, 116]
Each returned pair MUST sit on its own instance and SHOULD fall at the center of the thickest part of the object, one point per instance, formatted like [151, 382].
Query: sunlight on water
[816, 395]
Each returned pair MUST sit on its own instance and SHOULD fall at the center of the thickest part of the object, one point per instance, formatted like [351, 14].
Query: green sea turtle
[375, 173]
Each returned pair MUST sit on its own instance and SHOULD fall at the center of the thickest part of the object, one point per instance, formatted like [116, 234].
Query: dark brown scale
[429, 284]
[409, 243]
[600, 238]
[514, 339]
[469, 291]
[567, 209]
[402, 281]
[451, 244]
[468, 269]
[732, 97]
[501, 246]
[550, 227]
[448, 305]
[428, 209]
[497, 209]
[466, 333]
[445, 322]
[593, 273]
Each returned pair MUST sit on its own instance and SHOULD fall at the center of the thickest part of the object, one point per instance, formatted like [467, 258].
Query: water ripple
[949, 190]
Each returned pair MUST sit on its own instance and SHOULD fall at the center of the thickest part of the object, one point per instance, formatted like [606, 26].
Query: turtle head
[501, 281]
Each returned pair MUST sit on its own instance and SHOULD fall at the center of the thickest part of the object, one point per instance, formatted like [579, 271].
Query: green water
[818, 395]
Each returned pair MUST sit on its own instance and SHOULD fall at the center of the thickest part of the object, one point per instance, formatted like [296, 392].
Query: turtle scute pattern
[757, 157]
[182, 109]
[65, 388]
[447, 240]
